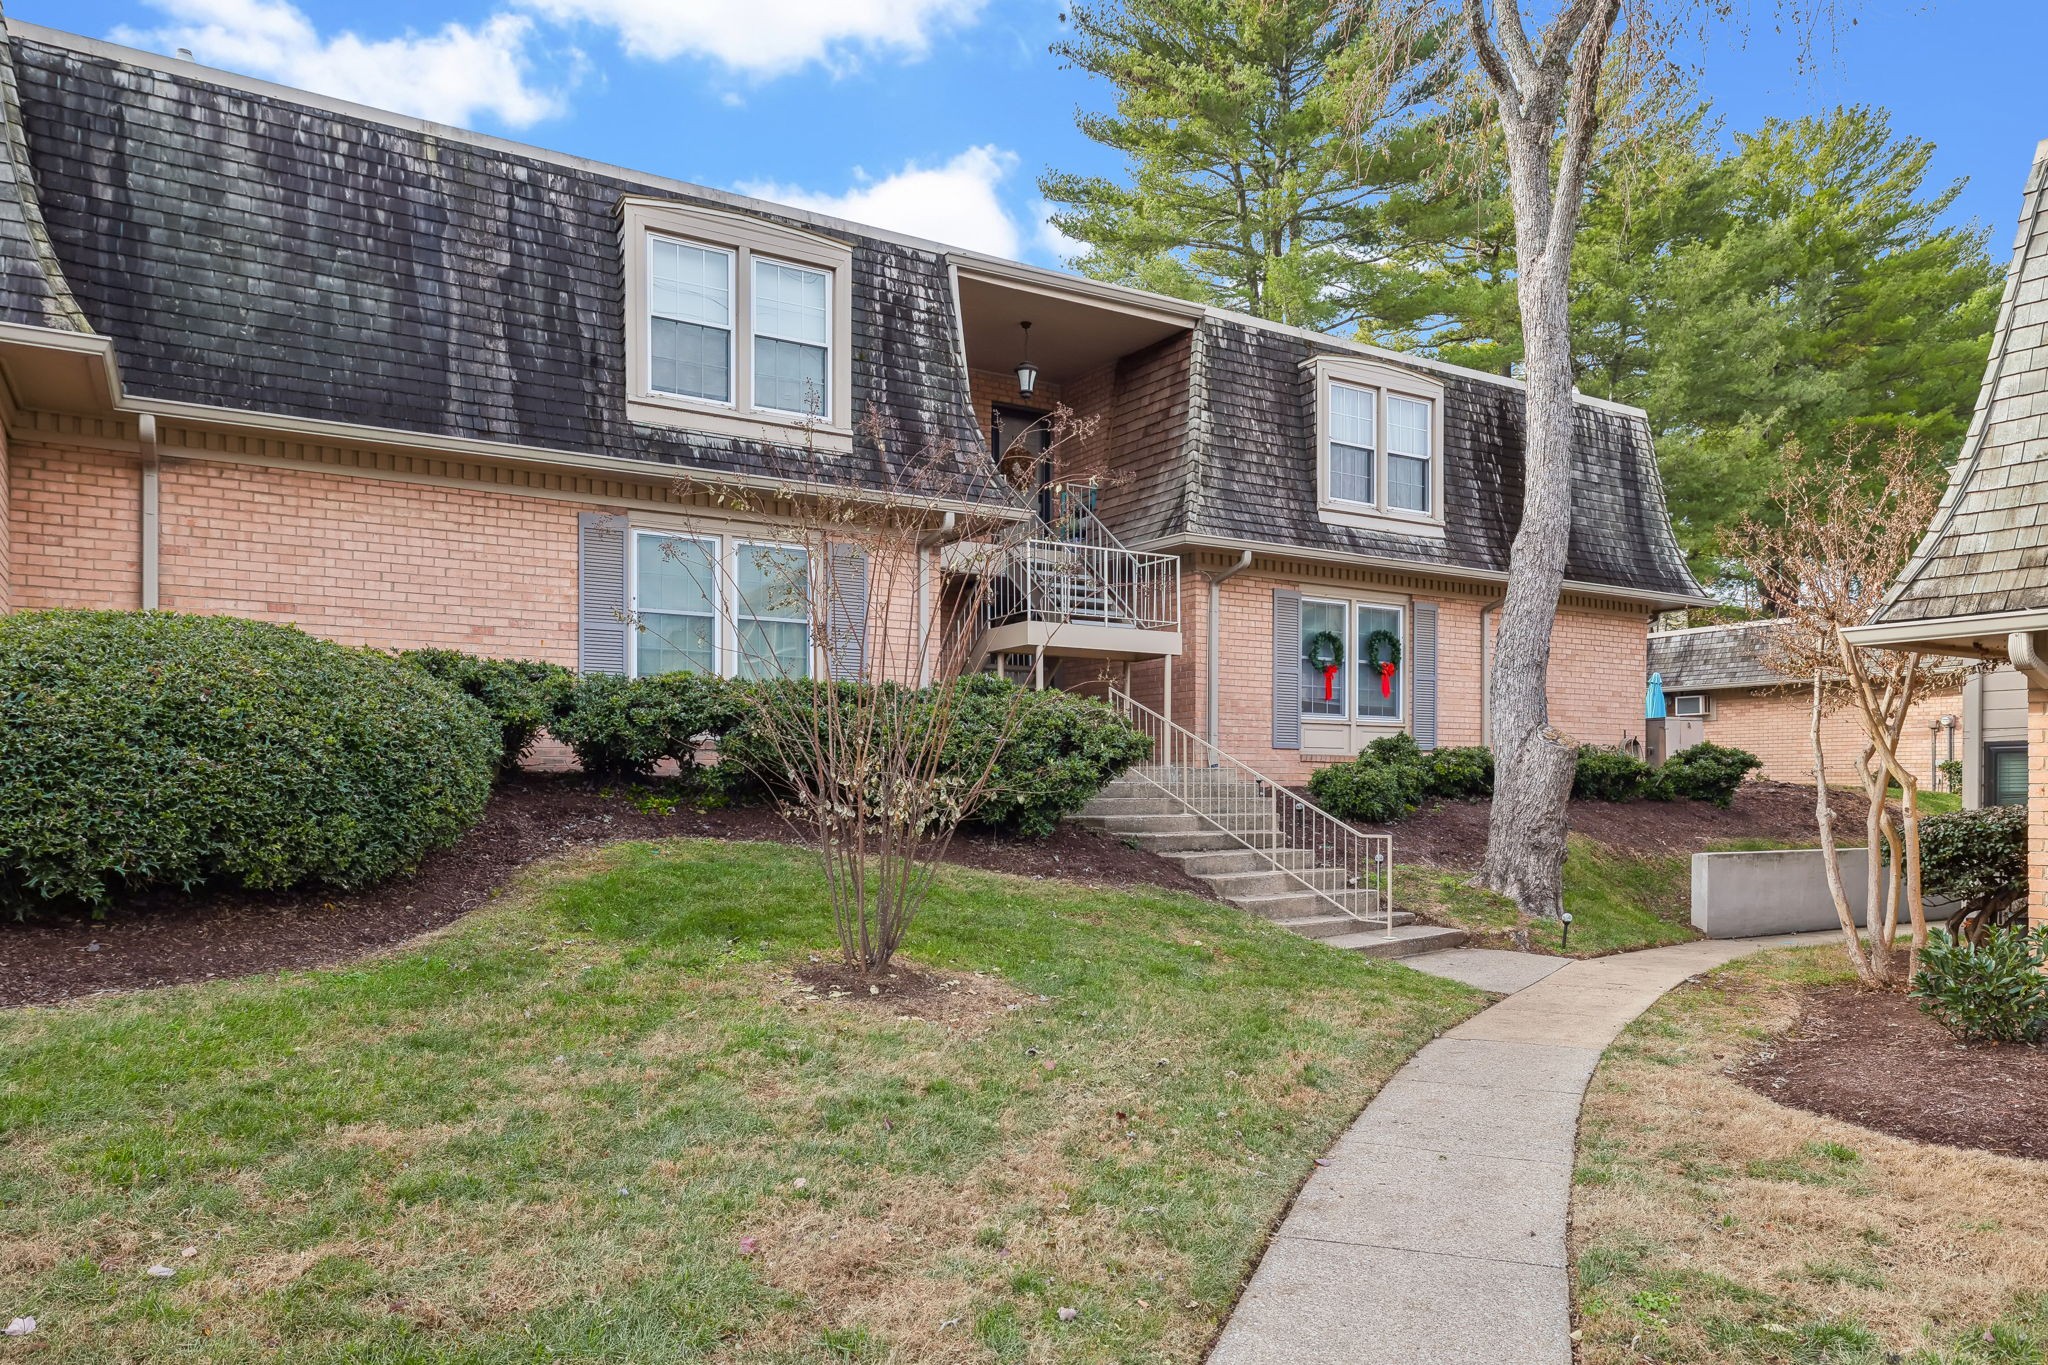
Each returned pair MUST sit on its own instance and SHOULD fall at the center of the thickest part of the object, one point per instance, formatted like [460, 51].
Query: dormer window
[737, 326]
[1378, 434]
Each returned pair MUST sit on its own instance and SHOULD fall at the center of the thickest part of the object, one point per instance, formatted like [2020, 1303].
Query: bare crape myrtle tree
[1840, 530]
[867, 721]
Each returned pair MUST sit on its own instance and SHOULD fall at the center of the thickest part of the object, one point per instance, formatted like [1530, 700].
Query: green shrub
[146, 749]
[1399, 747]
[1707, 772]
[523, 696]
[1609, 775]
[1367, 790]
[1459, 774]
[1977, 858]
[621, 728]
[1061, 748]
[1991, 992]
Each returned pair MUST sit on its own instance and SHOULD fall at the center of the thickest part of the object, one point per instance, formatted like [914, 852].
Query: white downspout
[151, 513]
[1209, 700]
[2023, 648]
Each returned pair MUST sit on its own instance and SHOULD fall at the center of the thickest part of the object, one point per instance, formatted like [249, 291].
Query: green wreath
[1385, 667]
[1325, 649]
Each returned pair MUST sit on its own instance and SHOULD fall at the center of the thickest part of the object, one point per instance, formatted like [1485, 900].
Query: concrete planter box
[1744, 895]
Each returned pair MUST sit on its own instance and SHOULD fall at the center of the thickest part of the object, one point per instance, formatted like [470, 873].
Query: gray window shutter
[1421, 658]
[1286, 669]
[846, 612]
[601, 623]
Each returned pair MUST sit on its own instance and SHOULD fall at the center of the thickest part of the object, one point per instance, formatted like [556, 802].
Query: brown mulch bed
[1452, 834]
[167, 939]
[1875, 1059]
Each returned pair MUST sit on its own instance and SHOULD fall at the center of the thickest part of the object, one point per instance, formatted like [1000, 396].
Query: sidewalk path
[1436, 1233]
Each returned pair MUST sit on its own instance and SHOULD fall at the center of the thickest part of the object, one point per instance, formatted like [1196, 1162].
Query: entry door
[1022, 437]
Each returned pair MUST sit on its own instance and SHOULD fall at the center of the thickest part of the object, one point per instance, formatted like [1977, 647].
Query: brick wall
[6, 535]
[75, 528]
[2037, 806]
[1592, 696]
[372, 561]
[1775, 725]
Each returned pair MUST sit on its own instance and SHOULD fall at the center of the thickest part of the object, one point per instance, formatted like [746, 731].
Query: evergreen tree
[1260, 137]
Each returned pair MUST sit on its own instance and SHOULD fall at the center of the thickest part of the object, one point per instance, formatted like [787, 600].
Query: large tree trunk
[1533, 763]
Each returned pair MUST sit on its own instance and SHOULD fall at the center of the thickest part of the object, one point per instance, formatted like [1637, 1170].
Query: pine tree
[1260, 138]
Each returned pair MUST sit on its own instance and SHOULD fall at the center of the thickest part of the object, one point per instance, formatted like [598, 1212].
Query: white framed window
[1379, 692]
[1379, 433]
[1354, 690]
[771, 610]
[1410, 425]
[716, 604]
[737, 324]
[689, 320]
[1353, 447]
[1689, 704]
[792, 338]
[1323, 688]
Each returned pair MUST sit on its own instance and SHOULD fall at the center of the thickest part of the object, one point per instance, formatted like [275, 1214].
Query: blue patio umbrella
[1653, 700]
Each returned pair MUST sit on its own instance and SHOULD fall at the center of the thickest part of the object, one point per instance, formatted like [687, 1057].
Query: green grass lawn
[1618, 901]
[1713, 1226]
[599, 1121]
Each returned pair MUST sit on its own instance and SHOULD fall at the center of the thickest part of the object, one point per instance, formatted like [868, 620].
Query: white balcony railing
[1074, 572]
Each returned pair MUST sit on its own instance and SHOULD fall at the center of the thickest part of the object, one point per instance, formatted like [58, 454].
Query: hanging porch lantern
[1027, 373]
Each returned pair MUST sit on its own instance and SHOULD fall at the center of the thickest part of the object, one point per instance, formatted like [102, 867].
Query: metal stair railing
[1349, 870]
[1076, 571]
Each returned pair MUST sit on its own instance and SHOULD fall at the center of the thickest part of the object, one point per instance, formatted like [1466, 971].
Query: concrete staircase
[1224, 835]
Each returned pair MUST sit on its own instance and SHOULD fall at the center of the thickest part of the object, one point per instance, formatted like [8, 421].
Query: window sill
[1394, 523]
[778, 428]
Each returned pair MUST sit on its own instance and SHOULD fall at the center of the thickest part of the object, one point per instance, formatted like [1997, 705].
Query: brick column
[2037, 806]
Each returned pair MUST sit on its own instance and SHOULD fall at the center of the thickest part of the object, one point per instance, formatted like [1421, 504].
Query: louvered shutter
[1422, 675]
[846, 614]
[601, 623]
[1286, 669]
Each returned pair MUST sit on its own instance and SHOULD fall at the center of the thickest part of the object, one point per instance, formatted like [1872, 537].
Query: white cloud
[768, 37]
[956, 204]
[451, 76]
[1050, 240]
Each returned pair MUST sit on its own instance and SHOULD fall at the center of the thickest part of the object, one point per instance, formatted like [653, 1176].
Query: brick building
[271, 354]
[1977, 586]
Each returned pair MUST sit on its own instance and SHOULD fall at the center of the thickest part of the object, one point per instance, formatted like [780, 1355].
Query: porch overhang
[1071, 640]
[1969, 637]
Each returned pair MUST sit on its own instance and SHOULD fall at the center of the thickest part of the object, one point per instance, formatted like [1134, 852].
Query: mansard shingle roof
[246, 251]
[1711, 657]
[1987, 550]
[1254, 469]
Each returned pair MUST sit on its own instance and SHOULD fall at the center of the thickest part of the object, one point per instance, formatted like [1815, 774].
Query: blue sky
[937, 116]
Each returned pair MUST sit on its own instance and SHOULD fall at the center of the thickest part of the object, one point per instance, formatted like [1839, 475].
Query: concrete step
[1164, 823]
[1110, 807]
[1199, 841]
[1406, 941]
[1241, 859]
[1237, 887]
[1296, 904]
[1332, 925]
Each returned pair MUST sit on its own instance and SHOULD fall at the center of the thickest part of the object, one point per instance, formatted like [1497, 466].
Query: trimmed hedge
[523, 696]
[1610, 775]
[146, 749]
[621, 728]
[1707, 772]
[1977, 858]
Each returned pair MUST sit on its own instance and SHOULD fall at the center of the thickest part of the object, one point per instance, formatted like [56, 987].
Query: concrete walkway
[1437, 1231]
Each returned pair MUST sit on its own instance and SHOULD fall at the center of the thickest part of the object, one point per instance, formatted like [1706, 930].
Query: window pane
[676, 589]
[789, 377]
[1408, 427]
[675, 574]
[1407, 483]
[672, 644]
[769, 649]
[1350, 474]
[1351, 416]
[774, 580]
[2008, 777]
[1317, 617]
[691, 284]
[691, 360]
[789, 302]
[1371, 704]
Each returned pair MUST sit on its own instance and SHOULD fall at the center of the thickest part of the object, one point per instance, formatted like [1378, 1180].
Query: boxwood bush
[1610, 775]
[523, 696]
[1706, 772]
[1978, 859]
[621, 728]
[1990, 992]
[146, 749]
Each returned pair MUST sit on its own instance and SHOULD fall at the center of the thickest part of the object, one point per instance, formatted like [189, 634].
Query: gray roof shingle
[1987, 549]
[1710, 657]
